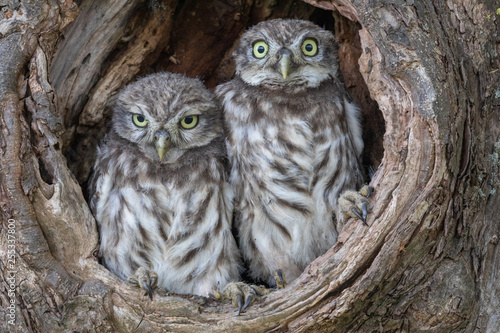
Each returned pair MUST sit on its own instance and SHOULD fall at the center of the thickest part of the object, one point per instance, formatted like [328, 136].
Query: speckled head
[286, 53]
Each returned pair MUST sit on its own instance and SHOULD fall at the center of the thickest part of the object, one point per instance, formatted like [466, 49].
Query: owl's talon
[149, 290]
[260, 291]
[364, 208]
[145, 279]
[247, 302]
[366, 191]
[355, 212]
[238, 292]
[240, 303]
[280, 279]
[369, 191]
[257, 292]
[154, 279]
[355, 204]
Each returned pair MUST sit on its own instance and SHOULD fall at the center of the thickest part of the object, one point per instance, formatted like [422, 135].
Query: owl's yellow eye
[189, 122]
[260, 49]
[310, 47]
[139, 120]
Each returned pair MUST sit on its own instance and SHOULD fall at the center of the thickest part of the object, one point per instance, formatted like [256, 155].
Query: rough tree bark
[429, 259]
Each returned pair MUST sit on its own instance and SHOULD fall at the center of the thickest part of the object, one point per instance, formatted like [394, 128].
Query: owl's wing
[95, 180]
[93, 194]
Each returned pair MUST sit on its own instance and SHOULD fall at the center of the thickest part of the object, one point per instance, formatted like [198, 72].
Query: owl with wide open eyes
[294, 144]
[159, 191]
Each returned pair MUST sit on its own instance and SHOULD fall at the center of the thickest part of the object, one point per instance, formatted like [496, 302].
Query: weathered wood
[429, 259]
[422, 66]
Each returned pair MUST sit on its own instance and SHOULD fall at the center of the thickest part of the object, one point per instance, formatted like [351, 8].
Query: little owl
[159, 191]
[294, 144]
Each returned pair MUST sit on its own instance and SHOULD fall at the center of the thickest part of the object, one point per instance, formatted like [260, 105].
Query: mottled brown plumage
[294, 145]
[159, 191]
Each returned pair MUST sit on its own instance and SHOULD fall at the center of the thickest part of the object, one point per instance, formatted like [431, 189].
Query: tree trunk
[425, 72]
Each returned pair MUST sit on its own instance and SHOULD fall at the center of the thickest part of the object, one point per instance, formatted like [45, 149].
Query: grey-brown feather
[294, 146]
[171, 216]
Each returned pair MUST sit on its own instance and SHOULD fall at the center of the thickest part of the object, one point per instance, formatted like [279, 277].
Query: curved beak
[284, 65]
[162, 142]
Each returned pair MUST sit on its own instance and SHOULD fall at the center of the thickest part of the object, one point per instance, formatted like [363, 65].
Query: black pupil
[309, 47]
[261, 49]
[188, 120]
[140, 118]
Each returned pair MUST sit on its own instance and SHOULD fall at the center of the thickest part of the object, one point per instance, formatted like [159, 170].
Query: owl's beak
[284, 65]
[162, 142]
